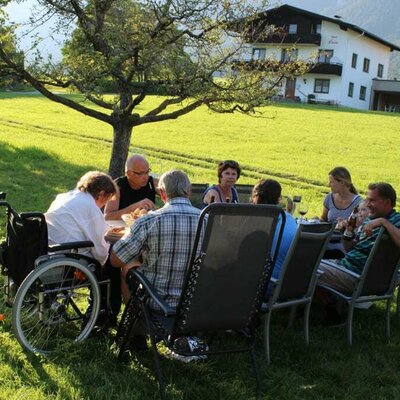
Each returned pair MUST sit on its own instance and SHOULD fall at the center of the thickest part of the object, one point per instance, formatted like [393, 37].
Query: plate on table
[115, 233]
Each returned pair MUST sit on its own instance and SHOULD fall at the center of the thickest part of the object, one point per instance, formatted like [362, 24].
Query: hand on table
[147, 204]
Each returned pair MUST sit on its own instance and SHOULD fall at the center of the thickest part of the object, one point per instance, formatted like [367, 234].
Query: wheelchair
[54, 291]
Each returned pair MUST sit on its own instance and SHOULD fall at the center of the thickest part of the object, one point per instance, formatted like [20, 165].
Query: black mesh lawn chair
[223, 286]
[298, 276]
[376, 282]
[244, 193]
[196, 197]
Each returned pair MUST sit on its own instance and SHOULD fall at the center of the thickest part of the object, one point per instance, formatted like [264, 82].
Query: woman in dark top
[224, 192]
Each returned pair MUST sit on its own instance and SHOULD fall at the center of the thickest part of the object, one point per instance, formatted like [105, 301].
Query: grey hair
[175, 183]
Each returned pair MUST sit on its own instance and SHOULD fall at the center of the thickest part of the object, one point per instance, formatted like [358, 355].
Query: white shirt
[74, 216]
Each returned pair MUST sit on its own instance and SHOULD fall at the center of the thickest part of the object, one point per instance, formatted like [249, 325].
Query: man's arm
[111, 211]
[393, 231]
[115, 261]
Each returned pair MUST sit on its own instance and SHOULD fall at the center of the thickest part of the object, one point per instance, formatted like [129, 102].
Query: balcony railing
[283, 37]
[327, 68]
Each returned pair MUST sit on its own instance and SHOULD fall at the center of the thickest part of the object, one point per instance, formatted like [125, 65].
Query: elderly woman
[76, 215]
[224, 192]
[343, 198]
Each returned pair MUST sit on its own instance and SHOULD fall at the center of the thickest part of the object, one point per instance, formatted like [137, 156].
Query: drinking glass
[303, 210]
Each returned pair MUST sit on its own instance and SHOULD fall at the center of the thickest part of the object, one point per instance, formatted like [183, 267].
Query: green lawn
[45, 148]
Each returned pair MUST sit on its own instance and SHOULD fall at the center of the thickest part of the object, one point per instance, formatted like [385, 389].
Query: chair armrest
[166, 309]
[347, 271]
[70, 246]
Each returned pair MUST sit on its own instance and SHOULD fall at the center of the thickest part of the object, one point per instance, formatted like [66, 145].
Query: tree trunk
[120, 148]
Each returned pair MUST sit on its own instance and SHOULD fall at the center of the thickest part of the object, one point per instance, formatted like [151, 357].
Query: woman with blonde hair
[343, 198]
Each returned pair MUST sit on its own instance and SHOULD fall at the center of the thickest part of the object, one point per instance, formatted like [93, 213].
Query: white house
[348, 58]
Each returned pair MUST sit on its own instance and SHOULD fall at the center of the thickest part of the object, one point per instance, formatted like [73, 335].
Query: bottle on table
[351, 225]
[296, 205]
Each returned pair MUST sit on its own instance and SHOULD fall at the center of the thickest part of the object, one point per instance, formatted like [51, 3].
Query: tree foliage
[188, 49]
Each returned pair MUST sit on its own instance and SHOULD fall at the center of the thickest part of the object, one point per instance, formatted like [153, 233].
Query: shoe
[187, 344]
[332, 316]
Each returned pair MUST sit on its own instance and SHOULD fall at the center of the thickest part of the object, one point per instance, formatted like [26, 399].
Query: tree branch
[23, 74]
[173, 115]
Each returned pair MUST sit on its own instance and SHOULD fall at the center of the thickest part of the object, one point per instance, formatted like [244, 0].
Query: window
[363, 92]
[351, 89]
[289, 55]
[354, 60]
[321, 86]
[380, 71]
[292, 29]
[366, 65]
[315, 29]
[259, 54]
[324, 56]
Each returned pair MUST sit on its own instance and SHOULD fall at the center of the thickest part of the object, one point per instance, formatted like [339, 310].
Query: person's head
[228, 172]
[173, 184]
[363, 212]
[137, 171]
[340, 178]
[99, 185]
[381, 199]
[267, 191]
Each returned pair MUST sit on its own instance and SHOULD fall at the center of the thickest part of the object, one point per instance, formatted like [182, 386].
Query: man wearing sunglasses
[137, 189]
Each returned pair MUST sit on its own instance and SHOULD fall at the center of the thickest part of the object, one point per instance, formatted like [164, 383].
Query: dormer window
[292, 29]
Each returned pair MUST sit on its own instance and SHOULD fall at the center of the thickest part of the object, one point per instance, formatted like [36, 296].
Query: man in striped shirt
[381, 199]
[163, 238]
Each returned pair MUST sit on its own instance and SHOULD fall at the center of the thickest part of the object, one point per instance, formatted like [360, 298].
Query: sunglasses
[140, 173]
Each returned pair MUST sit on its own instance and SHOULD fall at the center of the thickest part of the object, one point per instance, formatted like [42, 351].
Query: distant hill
[380, 17]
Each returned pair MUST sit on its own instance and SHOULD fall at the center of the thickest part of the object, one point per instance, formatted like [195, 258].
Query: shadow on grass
[32, 177]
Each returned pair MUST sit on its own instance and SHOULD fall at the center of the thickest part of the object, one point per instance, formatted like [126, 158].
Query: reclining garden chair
[298, 276]
[377, 281]
[223, 286]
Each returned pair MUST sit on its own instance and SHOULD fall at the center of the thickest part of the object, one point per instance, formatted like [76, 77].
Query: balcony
[327, 68]
[298, 38]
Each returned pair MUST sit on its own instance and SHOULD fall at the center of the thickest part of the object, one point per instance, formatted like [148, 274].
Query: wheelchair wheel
[51, 305]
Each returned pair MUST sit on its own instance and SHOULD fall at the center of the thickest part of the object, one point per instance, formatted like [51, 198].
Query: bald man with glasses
[137, 189]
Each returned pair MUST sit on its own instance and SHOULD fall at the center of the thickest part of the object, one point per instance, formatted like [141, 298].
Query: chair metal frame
[320, 234]
[190, 315]
[384, 257]
[42, 262]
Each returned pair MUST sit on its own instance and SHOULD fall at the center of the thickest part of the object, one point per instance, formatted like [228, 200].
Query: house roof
[343, 25]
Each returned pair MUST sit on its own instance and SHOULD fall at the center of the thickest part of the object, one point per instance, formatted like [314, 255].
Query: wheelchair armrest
[166, 309]
[70, 246]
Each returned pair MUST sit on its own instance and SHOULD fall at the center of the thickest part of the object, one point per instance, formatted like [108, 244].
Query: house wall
[343, 43]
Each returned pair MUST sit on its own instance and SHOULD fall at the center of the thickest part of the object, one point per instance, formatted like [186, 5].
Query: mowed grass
[298, 145]
[45, 148]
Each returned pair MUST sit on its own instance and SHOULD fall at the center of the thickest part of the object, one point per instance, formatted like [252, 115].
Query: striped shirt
[164, 238]
[356, 258]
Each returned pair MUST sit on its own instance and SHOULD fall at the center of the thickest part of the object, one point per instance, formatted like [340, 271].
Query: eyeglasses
[140, 173]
